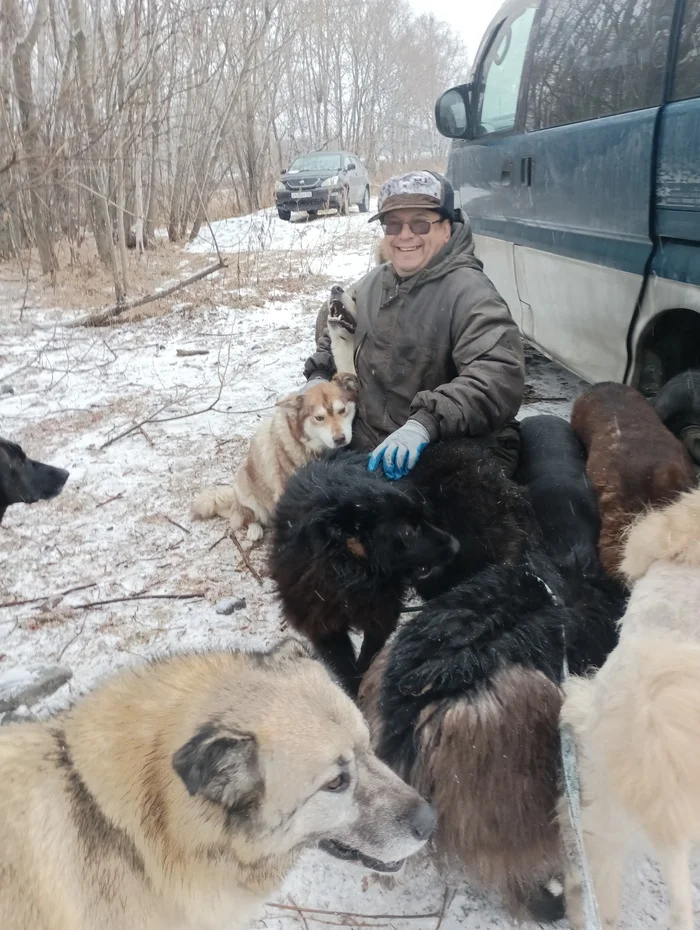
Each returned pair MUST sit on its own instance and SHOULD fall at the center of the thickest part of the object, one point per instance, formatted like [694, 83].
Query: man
[437, 353]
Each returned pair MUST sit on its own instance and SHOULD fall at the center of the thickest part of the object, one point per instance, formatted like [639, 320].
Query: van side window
[501, 71]
[686, 82]
[594, 58]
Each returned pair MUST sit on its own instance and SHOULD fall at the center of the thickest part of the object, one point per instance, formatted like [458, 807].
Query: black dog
[463, 703]
[345, 546]
[24, 481]
[552, 467]
[678, 407]
[467, 494]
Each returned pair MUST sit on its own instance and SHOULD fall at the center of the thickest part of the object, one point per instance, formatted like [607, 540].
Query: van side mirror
[351, 166]
[283, 171]
[453, 113]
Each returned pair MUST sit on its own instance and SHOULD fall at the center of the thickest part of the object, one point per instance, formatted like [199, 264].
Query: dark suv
[322, 181]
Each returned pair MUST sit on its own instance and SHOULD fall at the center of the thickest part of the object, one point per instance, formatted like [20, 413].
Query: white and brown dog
[301, 428]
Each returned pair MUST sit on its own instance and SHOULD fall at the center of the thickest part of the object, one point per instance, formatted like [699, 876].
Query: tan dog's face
[287, 764]
[325, 413]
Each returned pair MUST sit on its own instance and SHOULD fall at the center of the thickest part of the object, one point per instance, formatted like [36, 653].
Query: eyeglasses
[417, 227]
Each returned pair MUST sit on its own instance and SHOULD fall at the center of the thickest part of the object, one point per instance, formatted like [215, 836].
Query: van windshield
[324, 162]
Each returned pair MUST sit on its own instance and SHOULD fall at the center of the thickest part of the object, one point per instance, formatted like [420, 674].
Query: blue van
[576, 156]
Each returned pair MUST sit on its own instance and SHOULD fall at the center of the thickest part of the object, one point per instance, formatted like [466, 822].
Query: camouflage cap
[415, 189]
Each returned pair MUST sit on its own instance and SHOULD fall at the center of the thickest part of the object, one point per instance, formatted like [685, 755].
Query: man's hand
[400, 450]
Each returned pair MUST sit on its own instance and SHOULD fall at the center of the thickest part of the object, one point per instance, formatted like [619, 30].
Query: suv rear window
[594, 58]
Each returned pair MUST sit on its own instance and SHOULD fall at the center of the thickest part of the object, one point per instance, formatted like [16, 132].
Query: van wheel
[284, 214]
[364, 203]
[344, 205]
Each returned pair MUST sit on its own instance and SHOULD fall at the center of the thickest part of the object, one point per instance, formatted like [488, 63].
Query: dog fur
[302, 427]
[180, 794]
[552, 468]
[466, 494]
[24, 480]
[633, 460]
[678, 407]
[463, 702]
[637, 721]
[346, 544]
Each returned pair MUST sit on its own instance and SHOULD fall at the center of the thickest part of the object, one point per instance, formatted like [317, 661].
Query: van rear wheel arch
[669, 345]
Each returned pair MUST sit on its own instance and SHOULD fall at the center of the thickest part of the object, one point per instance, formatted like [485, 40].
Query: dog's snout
[336, 290]
[424, 821]
[339, 439]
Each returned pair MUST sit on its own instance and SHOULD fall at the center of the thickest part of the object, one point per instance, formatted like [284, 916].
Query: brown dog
[633, 461]
[300, 429]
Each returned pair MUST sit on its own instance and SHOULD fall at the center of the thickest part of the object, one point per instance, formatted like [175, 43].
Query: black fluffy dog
[552, 467]
[463, 703]
[345, 545]
[678, 406]
[467, 494]
[24, 481]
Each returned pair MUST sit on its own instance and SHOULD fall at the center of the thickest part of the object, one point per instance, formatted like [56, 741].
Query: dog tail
[214, 502]
[668, 534]
[651, 752]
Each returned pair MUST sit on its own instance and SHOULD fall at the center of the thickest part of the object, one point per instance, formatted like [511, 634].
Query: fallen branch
[100, 317]
[48, 597]
[175, 523]
[141, 597]
[185, 353]
[109, 500]
[244, 556]
[446, 904]
[72, 640]
[219, 540]
[316, 910]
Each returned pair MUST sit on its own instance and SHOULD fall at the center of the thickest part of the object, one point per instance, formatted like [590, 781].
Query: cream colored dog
[637, 722]
[300, 429]
[178, 795]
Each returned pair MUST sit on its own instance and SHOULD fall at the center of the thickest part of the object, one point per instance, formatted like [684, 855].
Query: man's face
[410, 251]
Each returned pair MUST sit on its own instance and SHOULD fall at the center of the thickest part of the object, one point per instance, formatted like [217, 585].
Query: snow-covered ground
[114, 570]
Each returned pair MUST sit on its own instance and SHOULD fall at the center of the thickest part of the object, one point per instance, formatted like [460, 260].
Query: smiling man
[437, 353]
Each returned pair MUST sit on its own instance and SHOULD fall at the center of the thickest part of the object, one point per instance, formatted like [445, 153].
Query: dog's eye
[409, 532]
[320, 417]
[339, 783]
[341, 411]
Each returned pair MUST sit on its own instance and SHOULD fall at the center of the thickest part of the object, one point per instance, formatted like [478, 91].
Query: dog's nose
[336, 290]
[424, 821]
[339, 440]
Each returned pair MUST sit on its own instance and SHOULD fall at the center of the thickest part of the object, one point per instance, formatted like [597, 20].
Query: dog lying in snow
[637, 721]
[301, 428]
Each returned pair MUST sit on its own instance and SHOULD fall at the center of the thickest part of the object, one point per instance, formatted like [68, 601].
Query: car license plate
[301, 195]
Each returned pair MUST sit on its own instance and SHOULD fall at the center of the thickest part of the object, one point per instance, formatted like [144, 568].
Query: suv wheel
[344, 206]
[364, 203]
[284, 214]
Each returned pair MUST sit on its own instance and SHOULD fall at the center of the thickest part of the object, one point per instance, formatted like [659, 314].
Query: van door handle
[527, 165]
[506, 172]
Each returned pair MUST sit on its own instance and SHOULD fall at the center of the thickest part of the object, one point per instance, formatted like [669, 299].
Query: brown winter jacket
[439, 347]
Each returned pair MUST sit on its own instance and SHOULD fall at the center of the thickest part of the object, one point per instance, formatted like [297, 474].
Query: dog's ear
[348, 382]
[293, 402]
[221, 765]
[292, 649]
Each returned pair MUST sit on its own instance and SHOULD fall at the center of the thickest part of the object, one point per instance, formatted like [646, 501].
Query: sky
[469, 17]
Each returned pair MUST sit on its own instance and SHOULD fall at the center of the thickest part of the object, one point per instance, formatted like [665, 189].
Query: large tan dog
[300, 429]
[179, 795]
[637, 722]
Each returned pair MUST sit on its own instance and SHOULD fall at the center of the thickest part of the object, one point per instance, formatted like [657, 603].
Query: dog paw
[255, 532]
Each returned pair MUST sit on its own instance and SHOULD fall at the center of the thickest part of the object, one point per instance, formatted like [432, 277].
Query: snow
[120, 532]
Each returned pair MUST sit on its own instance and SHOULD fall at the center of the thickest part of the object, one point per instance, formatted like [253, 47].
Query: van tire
[344, 205]
[364, 203]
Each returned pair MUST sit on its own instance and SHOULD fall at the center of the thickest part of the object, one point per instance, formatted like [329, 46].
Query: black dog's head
[377, 522]
[24, 481]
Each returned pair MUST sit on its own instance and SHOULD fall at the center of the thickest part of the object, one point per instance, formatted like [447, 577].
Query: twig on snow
[72, 640]
[175, 523]
[317, 910]
[47, 597]
[246, 559]
[141, 597]
[109, 500]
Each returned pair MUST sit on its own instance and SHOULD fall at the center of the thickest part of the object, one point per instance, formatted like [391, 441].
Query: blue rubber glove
[400, 450]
